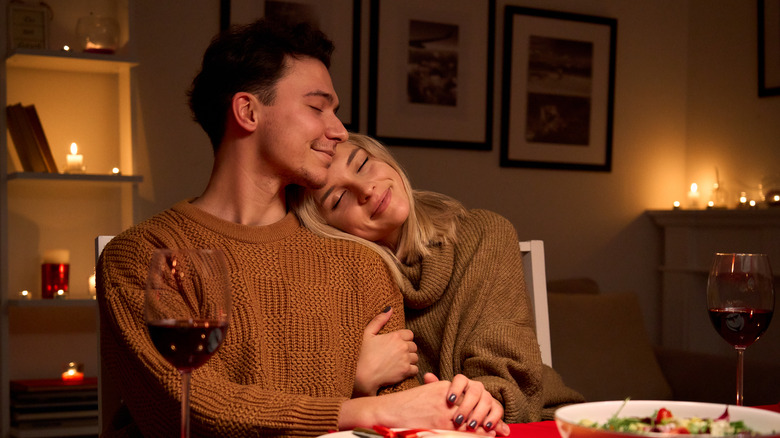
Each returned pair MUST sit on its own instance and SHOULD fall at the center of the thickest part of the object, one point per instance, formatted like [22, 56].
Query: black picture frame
[328, 15]
[557, 90]
[431, 73]
[768, 48]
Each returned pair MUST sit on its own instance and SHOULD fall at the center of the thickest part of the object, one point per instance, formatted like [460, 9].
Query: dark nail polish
[459, 419]
[488, 425]
[387, 309]
[452, 398]
[473, 424]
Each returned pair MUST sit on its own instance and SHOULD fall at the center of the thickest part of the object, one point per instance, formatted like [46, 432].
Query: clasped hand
[389, 358]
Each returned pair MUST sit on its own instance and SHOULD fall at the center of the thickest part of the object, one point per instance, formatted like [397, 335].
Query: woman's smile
[384, 201]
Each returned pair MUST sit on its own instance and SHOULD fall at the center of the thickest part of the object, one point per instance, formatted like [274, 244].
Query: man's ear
[244, 108]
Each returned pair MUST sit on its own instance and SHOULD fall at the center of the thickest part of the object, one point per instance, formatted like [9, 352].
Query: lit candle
[773, 198]
[92, 288]
[693, 197]
[75, 162]
[743, 200]
[72, 373]
[115, 171]
[676, 205]
[25, 295]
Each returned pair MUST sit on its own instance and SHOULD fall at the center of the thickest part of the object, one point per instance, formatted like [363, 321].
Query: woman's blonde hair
[432, 220]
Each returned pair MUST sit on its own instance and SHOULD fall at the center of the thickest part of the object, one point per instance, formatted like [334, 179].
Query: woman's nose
[364, 191]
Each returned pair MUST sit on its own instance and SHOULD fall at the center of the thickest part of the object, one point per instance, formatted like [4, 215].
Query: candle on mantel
[25, 295]
[75, 163]
[73, 373]
[693, 197]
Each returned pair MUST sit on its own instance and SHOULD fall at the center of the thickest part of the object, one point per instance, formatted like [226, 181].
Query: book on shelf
[61, 429]
[26, 140]
[40, 137]
[53, 407]
[14, 163]
[53, 385]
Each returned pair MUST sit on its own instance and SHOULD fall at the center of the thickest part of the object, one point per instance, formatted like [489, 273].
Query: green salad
[663, 421]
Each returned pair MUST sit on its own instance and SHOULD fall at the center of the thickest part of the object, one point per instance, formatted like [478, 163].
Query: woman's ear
[244, 110]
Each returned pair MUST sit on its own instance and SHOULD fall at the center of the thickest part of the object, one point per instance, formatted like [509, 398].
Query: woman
[460, 272]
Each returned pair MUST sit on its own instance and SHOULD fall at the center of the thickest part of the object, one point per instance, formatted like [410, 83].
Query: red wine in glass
[187, 344]
[740, 326]
[740, 301]
[187, 311]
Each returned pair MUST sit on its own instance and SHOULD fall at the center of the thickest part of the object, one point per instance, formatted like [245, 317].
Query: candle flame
[694, 187]
[73, 149]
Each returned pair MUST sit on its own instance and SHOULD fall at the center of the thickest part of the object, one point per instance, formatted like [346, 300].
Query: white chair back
[108, 395]
[536, 284]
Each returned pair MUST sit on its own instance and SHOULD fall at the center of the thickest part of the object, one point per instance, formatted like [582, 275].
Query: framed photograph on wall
[430, 73]
[768, 48]
[558, 90]
[338, 19]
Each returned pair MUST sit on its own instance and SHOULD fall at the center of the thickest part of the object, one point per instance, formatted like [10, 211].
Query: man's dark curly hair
[251, 59]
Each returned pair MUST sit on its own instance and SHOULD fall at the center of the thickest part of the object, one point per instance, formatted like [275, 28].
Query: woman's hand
[384, 359]
[477, 410]
[427, 407]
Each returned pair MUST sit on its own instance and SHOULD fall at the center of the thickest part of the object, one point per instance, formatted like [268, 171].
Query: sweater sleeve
[150, 388]
[500, 347]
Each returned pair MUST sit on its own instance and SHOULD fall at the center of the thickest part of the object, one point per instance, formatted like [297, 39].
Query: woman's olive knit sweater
[470, 313]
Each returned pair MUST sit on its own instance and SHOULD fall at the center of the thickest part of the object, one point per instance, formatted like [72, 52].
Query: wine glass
[740, 300]
[187, 310]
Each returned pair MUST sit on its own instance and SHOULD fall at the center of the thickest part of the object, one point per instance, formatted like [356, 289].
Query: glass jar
[98, 34]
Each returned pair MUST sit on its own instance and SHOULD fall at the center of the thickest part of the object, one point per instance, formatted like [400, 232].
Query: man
[300, 303]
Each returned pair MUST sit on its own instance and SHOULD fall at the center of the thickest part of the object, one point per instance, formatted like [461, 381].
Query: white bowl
[766, 423]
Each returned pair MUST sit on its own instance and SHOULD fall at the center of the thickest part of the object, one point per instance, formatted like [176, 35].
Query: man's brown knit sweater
[470, 313]
[300, 304]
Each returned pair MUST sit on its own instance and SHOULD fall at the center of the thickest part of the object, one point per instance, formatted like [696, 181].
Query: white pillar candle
[75, 163]
[693, 197]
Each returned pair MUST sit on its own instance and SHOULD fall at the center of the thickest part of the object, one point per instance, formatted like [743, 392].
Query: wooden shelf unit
[84, 98]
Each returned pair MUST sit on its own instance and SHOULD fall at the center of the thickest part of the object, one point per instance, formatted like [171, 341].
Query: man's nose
[336, 130]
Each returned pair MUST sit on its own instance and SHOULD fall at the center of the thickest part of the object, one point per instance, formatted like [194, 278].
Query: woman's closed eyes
[343, 192]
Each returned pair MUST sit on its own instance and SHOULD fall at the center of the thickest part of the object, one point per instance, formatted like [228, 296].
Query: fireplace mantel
[690, 239]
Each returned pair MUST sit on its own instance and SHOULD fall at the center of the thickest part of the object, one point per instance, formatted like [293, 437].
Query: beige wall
[685, 103]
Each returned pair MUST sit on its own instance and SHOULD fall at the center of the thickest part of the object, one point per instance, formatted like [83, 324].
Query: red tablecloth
[547, 429]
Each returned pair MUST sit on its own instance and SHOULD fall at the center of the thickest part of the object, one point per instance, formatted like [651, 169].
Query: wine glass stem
[185, 405]
[740, 373]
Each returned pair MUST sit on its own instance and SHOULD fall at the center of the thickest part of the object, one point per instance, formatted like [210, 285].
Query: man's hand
[384, 359]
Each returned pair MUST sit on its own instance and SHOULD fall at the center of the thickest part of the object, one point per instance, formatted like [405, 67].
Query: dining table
[548, 429]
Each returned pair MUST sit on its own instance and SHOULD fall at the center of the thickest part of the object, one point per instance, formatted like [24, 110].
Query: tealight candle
[75, 163]
[773, 198]
[115, 171]
[676, 205]
[743, 200]
[73, 373]
[25, 295]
